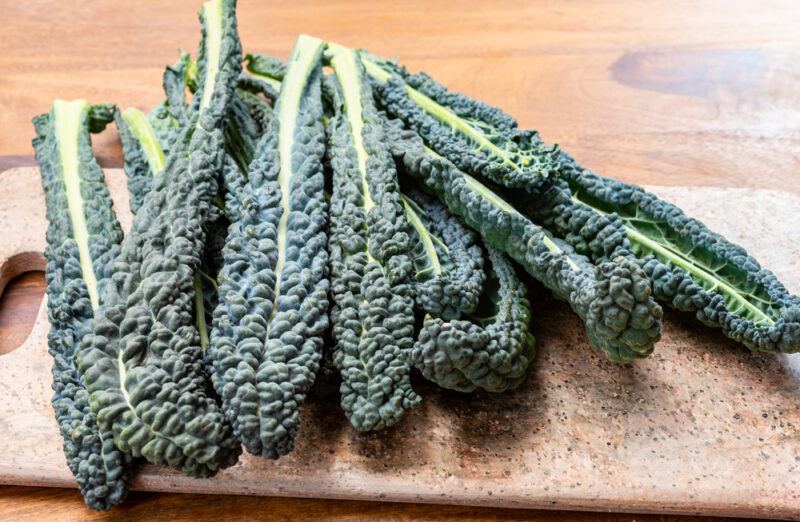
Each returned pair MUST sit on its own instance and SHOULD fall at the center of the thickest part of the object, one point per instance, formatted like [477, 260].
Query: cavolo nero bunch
[239, 242]
[613, 298]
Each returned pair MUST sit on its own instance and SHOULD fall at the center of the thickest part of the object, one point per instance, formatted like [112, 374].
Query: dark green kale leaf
[371, 268]
[168, 117]
[448, 262]
[691, 268]
[247, 122]
[82, 238]
[142, 151]
[479, 139]
[267, 69]
[143, 364]
[267, 335]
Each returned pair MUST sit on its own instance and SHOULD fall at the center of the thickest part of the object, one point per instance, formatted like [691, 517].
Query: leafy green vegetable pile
[367, 218]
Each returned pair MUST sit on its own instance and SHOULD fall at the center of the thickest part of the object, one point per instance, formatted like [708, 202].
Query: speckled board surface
[702, 426]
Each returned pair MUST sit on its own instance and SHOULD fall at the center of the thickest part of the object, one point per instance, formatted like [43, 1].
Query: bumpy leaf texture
[266, 340]
[691, 268]
[246, 118]
[479, 139]
[448, 261]
[147, 138]
[371, 268]
[142, 363]
[247, 122]
[145, 160]
[82, 237]
[490, 348]
[613, 299]
[146, 141]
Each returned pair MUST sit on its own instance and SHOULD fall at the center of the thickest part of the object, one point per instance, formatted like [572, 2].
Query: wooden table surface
[660, 92]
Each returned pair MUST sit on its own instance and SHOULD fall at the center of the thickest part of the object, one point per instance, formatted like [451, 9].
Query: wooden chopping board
[701, 427]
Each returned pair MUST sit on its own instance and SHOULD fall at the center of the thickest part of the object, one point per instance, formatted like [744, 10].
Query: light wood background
[668, 93]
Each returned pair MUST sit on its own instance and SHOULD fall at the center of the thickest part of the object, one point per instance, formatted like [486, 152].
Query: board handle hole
[21, 291]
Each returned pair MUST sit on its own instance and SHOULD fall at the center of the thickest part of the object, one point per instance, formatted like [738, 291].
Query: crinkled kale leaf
[691, 268]
[448, 262]
[142, 364]
[266, 340]
[371, 268]
[142, 151]
[82, 238]
[491, 347]
[267, 69]
[475, 333]
[479, 139]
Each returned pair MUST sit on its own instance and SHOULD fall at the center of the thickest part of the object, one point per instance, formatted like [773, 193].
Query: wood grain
[22, 503]
[660, 92]
[664, 92]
